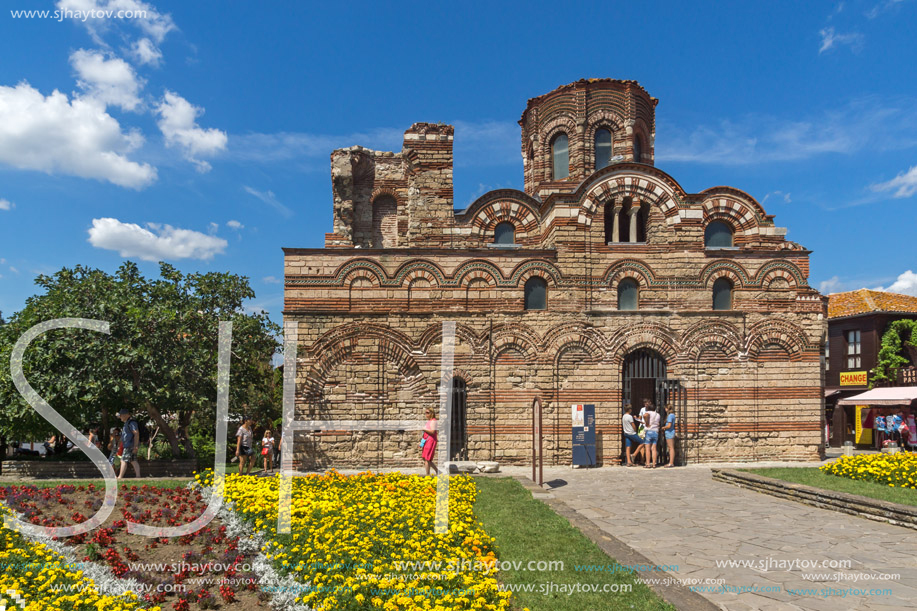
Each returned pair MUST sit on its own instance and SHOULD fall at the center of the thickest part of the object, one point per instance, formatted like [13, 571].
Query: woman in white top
[651, 422]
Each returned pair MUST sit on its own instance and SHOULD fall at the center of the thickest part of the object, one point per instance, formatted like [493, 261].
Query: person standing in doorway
[428, 442]
[651, 421]
[130, 443]
[669, 430]
[631, 439]
[244, 444]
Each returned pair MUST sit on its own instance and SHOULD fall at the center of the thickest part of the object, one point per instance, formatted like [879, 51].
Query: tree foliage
[891, 358]
[160, 358]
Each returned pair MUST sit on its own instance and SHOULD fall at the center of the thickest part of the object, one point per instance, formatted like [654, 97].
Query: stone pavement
[682, 517]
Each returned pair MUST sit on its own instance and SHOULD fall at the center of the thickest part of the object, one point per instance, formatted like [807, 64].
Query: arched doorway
[645, 376]
[642, 368]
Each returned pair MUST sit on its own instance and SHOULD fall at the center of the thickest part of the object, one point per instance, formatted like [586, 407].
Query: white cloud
[869, 123]
[212, 227]
[235, 225]
[270, 199]
[145, 52]
[270, 280]
[14, 270]
[180, 129]
[110, 81]
[831, 285]
[904, 184]
[100, 15]
[881, 7]
[56, 135]
[785, 196]
[831, 39]
[906, 284]
[6, 204]
[155, 242]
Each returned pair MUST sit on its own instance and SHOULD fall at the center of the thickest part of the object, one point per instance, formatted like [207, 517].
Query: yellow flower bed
[895, 470]
[349, 535]
[44, 580]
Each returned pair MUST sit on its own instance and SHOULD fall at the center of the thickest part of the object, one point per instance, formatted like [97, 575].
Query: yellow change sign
[853, 378]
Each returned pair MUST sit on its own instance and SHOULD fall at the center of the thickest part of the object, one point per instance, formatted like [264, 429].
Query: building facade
[857, 320]
[602, 282]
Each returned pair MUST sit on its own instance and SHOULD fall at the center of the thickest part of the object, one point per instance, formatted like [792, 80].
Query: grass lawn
[527, 529]
[811, 476]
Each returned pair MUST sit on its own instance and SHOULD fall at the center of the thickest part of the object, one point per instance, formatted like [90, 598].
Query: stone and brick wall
[400, 261]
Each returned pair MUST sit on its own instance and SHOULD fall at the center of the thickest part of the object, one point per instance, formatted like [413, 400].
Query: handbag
[422, 442]
[264, 451]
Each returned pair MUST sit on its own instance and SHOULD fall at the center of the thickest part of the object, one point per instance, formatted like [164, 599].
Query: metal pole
[537, 455]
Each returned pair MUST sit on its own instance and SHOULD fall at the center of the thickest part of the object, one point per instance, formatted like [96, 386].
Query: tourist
[428, 442]
[130, 443]
[879, 426]
[651, 420]
[669, 429]
[244, 437]
[631, 439]
[113, 444]
[267, 451]
[94, 439]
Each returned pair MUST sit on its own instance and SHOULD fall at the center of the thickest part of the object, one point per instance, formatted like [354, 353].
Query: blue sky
[201, 133]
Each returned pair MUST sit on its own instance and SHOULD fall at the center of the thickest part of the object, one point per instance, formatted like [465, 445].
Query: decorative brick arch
[780, 268]
[627, 183]
[410, 270]
[561, 123]
[523, 218]
[380, 191]
[474, 270]
[602, 119]
[731, 200]
[704, 334]
[540, 268]
[786, 335]
[339, 345]
[629, 268]
[724, 268]
[418, 276]
[642, 130]
[359, 268]
[643, 335]
[518, 337]
[463, 334]
[564, 337]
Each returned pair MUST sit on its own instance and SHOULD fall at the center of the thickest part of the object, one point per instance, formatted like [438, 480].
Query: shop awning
[831, 393]
[890, 396]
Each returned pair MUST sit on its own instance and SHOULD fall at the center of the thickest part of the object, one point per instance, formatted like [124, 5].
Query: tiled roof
[864, 301]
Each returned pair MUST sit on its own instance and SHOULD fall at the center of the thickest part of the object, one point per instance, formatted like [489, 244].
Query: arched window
[536, 294]
[504, 233]
[722, 294]
[602, 148]
[718, 235]
[638, 149]
[628, 293]
[560, 156]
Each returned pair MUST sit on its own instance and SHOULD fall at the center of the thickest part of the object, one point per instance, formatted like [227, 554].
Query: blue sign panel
[583, 434]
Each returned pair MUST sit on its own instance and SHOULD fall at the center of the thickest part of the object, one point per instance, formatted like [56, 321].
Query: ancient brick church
[603, 282]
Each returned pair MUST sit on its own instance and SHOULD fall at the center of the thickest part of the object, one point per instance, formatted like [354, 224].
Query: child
[267, 450]
[113, 443]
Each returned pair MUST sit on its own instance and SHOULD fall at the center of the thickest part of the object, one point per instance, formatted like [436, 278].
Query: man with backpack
[130, 441]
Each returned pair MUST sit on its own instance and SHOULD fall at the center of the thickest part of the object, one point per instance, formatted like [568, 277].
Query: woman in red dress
[428, 442]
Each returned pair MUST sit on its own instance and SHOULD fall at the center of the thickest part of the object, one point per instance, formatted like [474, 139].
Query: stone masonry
[401, 260]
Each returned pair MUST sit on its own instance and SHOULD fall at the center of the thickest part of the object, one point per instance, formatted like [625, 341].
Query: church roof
[865, 301]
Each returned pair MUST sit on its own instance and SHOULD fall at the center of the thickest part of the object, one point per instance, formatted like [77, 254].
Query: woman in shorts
[651, 421]
[244, 449]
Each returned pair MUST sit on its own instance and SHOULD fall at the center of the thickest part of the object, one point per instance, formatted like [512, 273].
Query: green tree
[160, 358]
[891, 358]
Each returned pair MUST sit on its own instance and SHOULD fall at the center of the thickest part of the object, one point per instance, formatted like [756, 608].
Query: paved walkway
[682, 517]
